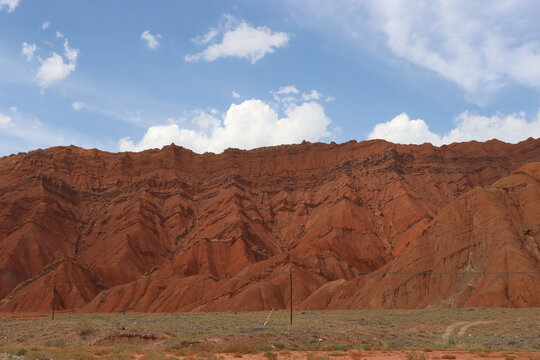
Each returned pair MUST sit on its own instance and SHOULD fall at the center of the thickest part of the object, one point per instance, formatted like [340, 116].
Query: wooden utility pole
[53, 300]
[290, 283]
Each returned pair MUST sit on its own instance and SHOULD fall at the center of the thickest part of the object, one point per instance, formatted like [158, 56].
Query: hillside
[170, 230]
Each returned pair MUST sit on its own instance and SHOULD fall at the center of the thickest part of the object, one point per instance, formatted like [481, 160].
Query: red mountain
[369, 224]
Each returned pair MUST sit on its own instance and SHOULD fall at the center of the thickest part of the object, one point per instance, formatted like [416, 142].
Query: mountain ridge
[138, 223]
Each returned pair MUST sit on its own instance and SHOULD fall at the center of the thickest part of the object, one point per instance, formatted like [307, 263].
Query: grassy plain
[414, 333]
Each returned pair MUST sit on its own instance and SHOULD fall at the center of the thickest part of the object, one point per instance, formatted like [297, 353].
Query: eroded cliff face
[169, 230]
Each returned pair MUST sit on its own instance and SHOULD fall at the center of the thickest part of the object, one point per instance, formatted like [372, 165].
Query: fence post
[290, 282]
[53, 301]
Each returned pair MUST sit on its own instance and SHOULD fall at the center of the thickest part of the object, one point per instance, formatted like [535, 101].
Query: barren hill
[170, 230]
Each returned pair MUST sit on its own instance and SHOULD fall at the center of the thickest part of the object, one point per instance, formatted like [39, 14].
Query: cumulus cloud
[236, 95]
[55, 68]
[59, 35]
[151, 40]
[405, 131]
[45, 25]
[239, 40]
[13, 109]
[5, 121]
[28, 50]
[9, 4]
[250, 124]
[482, 48]
[509, 128]
[77, 105]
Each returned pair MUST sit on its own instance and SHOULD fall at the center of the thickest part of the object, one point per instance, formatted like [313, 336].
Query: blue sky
[207, 75]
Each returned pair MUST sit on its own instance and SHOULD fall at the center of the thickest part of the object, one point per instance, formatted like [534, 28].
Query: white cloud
[54, 68]
[235, 95]
[13, 109]
[206, 38]
[239, 40]
[59, 35]
[509, 128]
[70, 53]
[45, 25]
[226, 23]
[290, 94]
[5, 121]
[286, 94]
[405, 131]
[313, 95]
[151, 40]
[250, 124]
[77, 105]
[286, 90]
[9, 4]
[206, 121]
[480, 47]
[28, 50]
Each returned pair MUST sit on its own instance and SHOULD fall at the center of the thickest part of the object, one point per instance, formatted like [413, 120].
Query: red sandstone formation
[362, 225]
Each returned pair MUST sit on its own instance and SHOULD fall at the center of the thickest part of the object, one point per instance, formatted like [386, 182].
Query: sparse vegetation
[270, 355]
[84, 327]
[365, 346]
[201, 336]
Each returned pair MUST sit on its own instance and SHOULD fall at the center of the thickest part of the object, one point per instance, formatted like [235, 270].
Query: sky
[208, 75]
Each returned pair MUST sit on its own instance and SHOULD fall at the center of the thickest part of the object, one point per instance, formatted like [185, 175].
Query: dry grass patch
[195, 334]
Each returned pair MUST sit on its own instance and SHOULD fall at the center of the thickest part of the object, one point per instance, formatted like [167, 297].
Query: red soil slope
[481, 250]
[169, 230]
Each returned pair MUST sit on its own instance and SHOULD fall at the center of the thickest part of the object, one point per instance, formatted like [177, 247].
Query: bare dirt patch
[463, 326]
